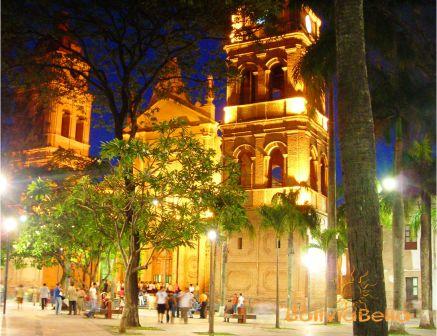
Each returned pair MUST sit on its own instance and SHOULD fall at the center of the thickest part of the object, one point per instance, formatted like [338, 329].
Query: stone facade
[183, 265]
[280, 145]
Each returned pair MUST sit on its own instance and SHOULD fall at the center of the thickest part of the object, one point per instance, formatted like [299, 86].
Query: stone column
[259, 161]
[298, 146]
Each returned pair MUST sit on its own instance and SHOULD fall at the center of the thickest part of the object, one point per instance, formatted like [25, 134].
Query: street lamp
[9, 225]
[389, 183]
[314, 260]
[212, 236]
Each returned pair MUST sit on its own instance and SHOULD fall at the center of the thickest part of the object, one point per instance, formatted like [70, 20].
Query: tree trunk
[130, 317]
[224, 272]
[426, 318]
[290, 253]
[277, 284]
[398, 232]
[357, 143]
[331, 255]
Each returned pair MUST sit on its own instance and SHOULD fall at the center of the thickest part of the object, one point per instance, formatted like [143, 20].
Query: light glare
[389, 183]
[4, 184]
[212, 235]
[10, 224]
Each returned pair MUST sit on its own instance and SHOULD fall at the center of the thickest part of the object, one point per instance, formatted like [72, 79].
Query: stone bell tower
[52, 115]
[279, 143]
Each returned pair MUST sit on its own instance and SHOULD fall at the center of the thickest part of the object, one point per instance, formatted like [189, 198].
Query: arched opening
[276, 169]
[79, 130]
[324, 177]
[248, 88]
[65, 126]
[277, 83]
[245, 162]
[313, 172]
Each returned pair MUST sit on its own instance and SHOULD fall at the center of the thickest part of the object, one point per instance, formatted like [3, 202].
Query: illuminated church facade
[268, 128]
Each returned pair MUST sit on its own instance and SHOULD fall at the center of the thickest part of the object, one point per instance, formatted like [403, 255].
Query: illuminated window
[240, 243]
[276, 169]
[79, 130]
[248, 87]
[277, 84]
[65, 126]
[313, 174]
[410, 239]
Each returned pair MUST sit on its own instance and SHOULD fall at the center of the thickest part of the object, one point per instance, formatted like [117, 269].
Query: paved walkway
[31, 321]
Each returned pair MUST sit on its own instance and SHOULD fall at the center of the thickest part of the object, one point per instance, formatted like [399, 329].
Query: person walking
[93, 300]
[240, 303]
[203, 300]
[185, 302]
[235, 302]
[80, 299]
[19, 295]
[93, 296]
[171, 308]
[72, 299]
[161, 301]
[57, 294]
[34, 293]
[44, 294]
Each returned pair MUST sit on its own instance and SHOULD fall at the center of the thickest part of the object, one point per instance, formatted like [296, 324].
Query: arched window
[245, 162]
[276, 169]
[277, 83]
[313, 172]
[248, 87]
[324, 177]
[79, 130]
[65, 126]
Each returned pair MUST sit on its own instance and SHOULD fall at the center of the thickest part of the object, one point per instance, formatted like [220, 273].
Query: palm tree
[316, 68]
[285, 215]
[322, 240]
[231, 217]
[422, 165]
[357, 143]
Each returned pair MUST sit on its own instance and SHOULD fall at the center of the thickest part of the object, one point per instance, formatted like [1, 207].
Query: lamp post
[9, 225]
[212, 236]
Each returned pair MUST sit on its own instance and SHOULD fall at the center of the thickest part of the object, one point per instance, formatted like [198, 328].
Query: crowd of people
[170, 300]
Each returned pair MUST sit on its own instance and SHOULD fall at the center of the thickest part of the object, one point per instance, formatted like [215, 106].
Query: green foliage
[323, 238]
[56, 231]
[285, 215]
[160, 191]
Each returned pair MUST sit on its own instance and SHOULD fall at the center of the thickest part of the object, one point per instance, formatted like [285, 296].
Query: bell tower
[55, 114]
[279, 142]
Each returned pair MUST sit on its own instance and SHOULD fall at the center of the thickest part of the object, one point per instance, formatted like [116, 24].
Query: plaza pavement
[31, 321]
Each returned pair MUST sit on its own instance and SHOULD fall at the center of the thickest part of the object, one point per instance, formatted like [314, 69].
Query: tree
[285, 215]
[120, 52]
[316, 67]
[421, 165]
[322, 240]
[402, 97]
[167, 198]
[357, 145]
[58, 233]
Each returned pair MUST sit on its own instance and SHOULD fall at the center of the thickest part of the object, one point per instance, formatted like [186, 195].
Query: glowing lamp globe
[10, 224]
[389, 183]
[212, 235]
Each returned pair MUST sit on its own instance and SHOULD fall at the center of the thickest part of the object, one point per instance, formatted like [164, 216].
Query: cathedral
[280, 143]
